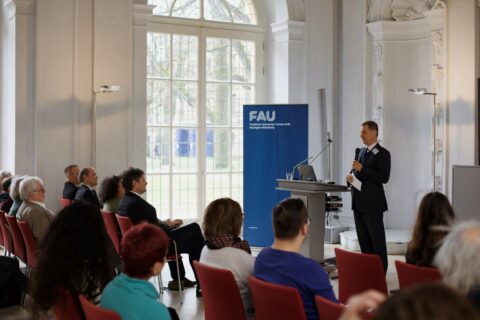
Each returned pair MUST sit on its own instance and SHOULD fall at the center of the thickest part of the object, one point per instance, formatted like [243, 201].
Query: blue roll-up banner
[275, 138]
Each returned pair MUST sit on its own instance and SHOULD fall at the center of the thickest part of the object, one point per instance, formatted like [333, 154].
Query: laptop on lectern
[306, 173]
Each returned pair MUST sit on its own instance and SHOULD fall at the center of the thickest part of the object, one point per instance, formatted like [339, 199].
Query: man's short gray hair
[27, 187]
[15, 187]
[458, 258]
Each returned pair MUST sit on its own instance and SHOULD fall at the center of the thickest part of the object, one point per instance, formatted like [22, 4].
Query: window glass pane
[184, 103]
[242, 11]
[241, 94]
[186, 9]
[237, 150]
[158, 149]
[158, 189]
[218, 157]
[162, 7]
[237, 188]
[218, 59]
[184, 150]
[158, 55]
[218, 186]
[243, 61]
[218, 104]
[216, 10]
[184, 196]
[185, 57]
[158, 102]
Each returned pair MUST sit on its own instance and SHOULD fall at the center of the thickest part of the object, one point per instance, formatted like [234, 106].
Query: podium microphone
[301, 162]
[357, 152]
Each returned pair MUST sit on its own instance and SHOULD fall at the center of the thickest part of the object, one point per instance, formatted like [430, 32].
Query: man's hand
[174, 223]
[362, 304]
[357, 166]
[349, 178]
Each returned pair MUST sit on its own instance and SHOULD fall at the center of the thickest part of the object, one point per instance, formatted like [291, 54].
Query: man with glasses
[33, 209]
[283, 264]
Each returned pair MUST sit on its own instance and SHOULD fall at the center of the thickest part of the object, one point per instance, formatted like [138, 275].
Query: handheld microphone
[357, 152]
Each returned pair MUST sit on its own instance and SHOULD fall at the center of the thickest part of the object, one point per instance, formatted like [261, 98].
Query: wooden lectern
[313, 195]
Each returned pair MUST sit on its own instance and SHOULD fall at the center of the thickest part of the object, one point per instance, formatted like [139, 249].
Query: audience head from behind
[88, 176]
[133, 180]
[73, 257]
[6, 183]
[111, 192]
[434, 219]
[458, 258]
[130, 294]
[4, 174]
[72, 173]
[424, 302]
[290, 221]
[32, 190]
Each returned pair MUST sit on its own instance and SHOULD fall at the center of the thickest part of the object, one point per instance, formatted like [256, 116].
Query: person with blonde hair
[224, 249]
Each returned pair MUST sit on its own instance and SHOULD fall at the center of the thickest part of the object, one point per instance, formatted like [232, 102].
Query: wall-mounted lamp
[425, 92]
[104, 88]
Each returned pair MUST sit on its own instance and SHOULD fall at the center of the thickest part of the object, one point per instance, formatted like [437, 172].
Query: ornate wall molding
[19, 7]
[288, 31]
[377, 87]
[141, 13]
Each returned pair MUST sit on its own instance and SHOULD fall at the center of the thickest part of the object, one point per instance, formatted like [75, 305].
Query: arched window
[204, 62]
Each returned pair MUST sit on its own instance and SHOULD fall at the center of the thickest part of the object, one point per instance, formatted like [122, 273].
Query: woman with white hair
[458, 259]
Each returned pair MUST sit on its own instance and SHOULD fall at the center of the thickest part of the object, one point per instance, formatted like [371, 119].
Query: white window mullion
[170, 177]
[202, 125]
[230, 122]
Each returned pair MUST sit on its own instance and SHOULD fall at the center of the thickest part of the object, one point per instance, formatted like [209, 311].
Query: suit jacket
[69, 191]
[38, 218]
[375, 172]
[139, 210]
[89, 196]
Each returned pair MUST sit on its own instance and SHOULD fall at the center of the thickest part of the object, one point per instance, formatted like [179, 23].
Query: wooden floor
[192, 307]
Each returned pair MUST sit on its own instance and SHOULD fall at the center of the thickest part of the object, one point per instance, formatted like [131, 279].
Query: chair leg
[178, 272]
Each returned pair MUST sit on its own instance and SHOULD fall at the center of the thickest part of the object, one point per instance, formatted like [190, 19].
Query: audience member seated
[5, 201]
[189, 238]
[73, 256]
[4, 174]
[86, 192]
[283, 264]
[111, 192]
[15, 194]
[33, 208]
[458, 260]
[71, 185]
[434, 218]
[130, 294]
[224, 249]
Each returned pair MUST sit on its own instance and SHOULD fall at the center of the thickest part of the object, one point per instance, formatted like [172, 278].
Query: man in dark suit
[369, 172]
[86, 192]
[189, 239]
[71, 185]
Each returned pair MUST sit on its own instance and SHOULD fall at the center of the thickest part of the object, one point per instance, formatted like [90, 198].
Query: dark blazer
[89, 196]
[69, 191]
[375, 172]
[139, 210]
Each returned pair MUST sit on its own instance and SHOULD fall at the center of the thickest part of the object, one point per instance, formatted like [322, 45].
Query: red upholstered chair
[18, 244]
[358, 272]
[30, 243]
[65, 202]
[221, 296]
[273, 301]
[124, 223]
[409, 274]
[7, 236]
[112, 229]
[328, 310]
[66, 308]
[93, 312]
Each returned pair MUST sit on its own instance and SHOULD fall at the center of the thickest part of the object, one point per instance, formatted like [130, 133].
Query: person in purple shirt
[283, 264]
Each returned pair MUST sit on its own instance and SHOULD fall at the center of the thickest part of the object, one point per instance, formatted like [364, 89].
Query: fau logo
[262, 116]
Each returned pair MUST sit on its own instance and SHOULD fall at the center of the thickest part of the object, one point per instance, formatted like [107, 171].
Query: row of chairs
[357, 273]
[66, 309]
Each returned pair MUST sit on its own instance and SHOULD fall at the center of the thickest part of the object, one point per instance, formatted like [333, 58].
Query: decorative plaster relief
[379, 10]
[377, 110]
[403, 10]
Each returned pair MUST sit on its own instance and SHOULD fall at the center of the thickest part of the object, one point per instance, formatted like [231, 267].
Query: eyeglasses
[40, 190]
[309, 220]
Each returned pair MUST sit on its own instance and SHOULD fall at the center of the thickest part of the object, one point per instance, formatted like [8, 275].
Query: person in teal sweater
[130, 294]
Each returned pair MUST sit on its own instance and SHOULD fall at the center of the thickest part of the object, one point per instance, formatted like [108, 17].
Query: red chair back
[221, 297]
[93, 312]
[30, 243]
[124, 223]
[409, 274]
[358, 272]
[273, 301]
[112, 229]
[18, 243]
[2, 240]
[328, 310]
[65, 202]
[7, 236]
[66, 308]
